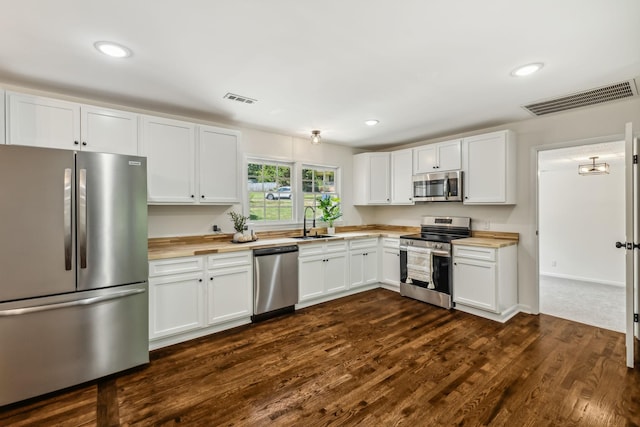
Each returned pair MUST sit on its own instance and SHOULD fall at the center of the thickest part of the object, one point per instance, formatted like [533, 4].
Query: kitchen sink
[314, 236]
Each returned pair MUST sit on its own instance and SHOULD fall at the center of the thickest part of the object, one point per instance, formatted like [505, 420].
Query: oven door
[441, 275]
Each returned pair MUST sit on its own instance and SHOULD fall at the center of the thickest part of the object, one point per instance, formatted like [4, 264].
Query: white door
[632, 200]
[218, 165]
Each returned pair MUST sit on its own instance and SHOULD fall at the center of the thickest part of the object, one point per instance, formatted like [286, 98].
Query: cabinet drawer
[363, 243]
[340, 246]
[474, 252]
[310, 249]
[175, 266]
[389, 242]
[231, 259]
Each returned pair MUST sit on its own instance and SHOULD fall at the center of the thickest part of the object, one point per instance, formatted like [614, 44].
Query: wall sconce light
[593, 168]
[315, 137]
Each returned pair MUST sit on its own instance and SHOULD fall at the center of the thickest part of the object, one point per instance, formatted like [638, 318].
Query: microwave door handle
[446, 188]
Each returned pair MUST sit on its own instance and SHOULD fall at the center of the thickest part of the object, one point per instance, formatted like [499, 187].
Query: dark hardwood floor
[372, 359]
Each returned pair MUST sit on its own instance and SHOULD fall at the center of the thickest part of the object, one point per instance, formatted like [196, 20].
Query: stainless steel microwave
[438, 187]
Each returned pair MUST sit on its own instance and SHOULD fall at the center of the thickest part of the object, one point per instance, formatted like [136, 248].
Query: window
[318, 181]
[269, 190]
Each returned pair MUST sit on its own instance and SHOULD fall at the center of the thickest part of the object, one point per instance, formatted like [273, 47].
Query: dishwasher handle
[275, 250]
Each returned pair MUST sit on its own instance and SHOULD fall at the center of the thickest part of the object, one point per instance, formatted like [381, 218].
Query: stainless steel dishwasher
[275, 281]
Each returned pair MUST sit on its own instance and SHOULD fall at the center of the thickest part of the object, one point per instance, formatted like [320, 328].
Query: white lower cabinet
[485, 281]
[322, 269]
[363, 262]
[195, 296]
[175, 304]
[390, 274]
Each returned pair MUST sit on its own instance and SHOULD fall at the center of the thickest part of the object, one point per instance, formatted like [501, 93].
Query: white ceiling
[423, 68]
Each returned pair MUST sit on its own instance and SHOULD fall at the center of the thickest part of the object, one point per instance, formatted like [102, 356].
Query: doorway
[581, 215]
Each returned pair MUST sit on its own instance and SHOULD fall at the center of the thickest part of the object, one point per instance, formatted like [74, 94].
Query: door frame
[536, 203]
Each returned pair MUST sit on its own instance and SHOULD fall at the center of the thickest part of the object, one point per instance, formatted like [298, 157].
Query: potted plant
[239, 224]
[330, 208]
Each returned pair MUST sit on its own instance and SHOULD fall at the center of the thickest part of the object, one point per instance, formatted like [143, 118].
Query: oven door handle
[441, 253]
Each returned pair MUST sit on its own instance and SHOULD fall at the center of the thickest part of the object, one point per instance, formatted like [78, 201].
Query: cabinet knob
[210, 278]
[76, 142]
[199, 280]
[84, 142]
[466, 197]
[192, 196]
[202, 197]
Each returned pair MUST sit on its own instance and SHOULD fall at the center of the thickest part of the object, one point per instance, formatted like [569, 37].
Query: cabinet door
[379, 172]
[109, 131]
[2, 117]
[370, 266]
[485, 168]
[311, 277]
[391, 266]
[175, 304]
[356, 269]
[229, 294]
[335, 277]
[170, 149]
[474, 284]
[449, 155]
[218, 165]
[401, 177]
[425, 159]
[42, 122]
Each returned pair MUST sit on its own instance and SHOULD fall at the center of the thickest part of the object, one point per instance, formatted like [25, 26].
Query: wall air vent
[240, 98]
[583, 99]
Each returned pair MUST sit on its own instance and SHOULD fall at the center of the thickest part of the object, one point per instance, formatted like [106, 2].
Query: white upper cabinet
[108, 131]
[218, 165]
[401, 177]
[189, 164]
[371, 179]
[489, 164]
[170, 147]
[440, 157]
[46, 122]
[42, 122]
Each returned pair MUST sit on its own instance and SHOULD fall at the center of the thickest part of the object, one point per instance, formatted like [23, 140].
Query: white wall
[605, 121]
[580, 219]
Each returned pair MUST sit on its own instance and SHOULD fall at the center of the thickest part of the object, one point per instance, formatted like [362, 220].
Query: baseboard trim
[583, 279]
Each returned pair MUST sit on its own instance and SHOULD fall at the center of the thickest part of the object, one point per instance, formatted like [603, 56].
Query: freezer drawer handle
[82, 217]
[67, 219]
[86, 301]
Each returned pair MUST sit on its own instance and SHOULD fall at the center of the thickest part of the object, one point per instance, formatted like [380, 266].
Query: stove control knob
[438, 245]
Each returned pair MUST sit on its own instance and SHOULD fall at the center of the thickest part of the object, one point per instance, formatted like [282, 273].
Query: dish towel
[419, 265]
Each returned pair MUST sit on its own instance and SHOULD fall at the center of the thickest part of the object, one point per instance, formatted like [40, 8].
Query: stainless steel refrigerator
[73, 268]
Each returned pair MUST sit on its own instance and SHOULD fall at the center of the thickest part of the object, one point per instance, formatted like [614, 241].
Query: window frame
[337, 178]
[263, 160]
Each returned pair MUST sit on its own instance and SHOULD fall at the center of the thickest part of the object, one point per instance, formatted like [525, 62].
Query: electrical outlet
[216, 228]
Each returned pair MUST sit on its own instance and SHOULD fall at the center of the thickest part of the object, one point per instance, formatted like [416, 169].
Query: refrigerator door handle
[85, 301]
[82, 217]
[67, 219]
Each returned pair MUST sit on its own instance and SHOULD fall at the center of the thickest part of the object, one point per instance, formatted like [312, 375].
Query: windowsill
[289, 225]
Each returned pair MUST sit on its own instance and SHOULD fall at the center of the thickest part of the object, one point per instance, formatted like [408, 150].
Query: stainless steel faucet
[304, 220]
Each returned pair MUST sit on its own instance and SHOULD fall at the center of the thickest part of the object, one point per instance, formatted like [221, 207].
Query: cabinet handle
[76, 142]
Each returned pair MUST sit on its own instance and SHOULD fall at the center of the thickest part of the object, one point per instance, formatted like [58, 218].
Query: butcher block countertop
[489, 239]
[176, 247]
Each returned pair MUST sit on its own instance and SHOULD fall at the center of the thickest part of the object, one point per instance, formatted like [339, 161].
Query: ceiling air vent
[240, 98]
[583, 99]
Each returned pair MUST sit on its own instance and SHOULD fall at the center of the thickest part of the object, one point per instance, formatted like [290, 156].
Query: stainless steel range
[425, 259]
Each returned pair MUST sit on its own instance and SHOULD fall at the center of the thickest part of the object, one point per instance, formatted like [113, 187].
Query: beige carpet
[585, 302]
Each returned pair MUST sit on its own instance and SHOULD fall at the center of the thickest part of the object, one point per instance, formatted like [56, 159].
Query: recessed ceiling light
[113, 50]
[527, 70]
[372, 122]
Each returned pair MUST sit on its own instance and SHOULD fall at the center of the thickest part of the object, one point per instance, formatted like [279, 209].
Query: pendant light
[315, 137]
[593, 168]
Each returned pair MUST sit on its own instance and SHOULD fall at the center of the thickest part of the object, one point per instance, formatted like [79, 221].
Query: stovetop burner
[442, 229]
